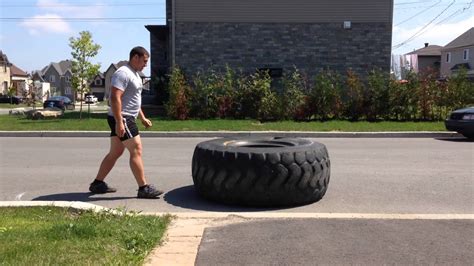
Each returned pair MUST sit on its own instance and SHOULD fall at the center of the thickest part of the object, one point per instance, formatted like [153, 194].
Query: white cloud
[48, 23]
[56, 14]
[436, 35]
[77, 10]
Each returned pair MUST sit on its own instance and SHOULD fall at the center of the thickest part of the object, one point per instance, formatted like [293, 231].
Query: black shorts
[131, 128]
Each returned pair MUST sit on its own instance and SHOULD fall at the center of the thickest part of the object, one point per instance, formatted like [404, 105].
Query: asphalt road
[374, 178]
[381, 175]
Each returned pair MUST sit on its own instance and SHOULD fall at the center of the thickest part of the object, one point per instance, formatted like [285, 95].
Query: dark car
[13, 99]
[462, 121]
[61, 102]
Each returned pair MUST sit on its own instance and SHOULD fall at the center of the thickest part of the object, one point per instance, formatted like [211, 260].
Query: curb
[212, 134]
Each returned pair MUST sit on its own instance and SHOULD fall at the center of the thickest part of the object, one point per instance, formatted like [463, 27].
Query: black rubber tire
[263, 172]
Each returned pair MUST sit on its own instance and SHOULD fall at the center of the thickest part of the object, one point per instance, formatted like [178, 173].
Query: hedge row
[328, 95]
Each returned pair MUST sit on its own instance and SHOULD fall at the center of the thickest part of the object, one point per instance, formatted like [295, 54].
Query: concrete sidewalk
[263, 238]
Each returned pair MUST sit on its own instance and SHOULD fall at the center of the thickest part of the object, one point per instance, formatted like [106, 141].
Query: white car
[90, 99]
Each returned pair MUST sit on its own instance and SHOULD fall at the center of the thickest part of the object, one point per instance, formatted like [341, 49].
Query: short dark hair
[138, 50]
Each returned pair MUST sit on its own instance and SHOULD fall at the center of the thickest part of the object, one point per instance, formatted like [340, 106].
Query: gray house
[59, 75]
[273, 34]
[459, 54]
[428, 58]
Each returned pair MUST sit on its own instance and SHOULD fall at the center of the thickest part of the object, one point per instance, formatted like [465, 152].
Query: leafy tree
[10, 92]
[83, 71]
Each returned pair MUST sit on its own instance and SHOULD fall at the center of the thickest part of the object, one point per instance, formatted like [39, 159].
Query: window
[465, 54]
[448, 58]
[68, 79]
[52, 78]
[98, 82]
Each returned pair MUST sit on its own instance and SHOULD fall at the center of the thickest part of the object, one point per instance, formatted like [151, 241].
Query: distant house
[19, 80]
[458, 54]
[426, 59]
[59, 76]
[273, 34]
[97, 86]
[4, 73]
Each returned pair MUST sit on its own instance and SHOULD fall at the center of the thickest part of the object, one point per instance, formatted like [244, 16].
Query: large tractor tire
[263, 172]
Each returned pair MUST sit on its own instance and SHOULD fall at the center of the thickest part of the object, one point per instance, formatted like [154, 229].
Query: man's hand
[119, 128]
[146, 122]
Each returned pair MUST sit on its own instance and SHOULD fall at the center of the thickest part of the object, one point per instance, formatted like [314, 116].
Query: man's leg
[134, 146]
[116, 150]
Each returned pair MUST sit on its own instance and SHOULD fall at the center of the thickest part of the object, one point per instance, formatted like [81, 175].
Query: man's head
[138, 58]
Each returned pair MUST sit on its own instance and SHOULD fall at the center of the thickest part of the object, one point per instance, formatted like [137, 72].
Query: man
[125, 107]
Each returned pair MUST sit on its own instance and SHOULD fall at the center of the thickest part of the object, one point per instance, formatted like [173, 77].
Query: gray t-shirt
[128, 80]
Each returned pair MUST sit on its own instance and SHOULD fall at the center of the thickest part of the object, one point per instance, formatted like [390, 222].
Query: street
[390, 201]
[381, 175]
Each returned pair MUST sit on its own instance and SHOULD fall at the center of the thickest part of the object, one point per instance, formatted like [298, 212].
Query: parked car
[61, 102]
[462, 121]
[90, 99]
[13, 99]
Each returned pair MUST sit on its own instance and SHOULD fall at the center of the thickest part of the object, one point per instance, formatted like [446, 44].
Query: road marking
[18, 197]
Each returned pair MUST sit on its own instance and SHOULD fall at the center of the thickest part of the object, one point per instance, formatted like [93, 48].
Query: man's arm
[116, 105]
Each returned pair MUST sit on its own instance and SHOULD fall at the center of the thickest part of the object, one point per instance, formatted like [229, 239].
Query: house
[457, 54]
[108, 77]
[19, 80]
[273, 34]
[59, 75]
[4, 73]
[97, 86]
[426, 59]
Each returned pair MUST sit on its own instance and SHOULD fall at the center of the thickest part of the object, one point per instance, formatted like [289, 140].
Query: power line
[460, 11]
[419, 13]
[420, 32]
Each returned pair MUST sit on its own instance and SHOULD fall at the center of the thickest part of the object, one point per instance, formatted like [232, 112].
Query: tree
[83, 71]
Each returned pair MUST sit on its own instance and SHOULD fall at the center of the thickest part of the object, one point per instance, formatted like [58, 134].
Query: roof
[62, 67]
[431, 50]
[122, 63]
[16, 71]
[459, 66]
[4, 59]
[465, 39]
[36, 75]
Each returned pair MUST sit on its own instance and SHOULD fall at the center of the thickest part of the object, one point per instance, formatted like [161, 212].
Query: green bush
[353, 97]
[325, 96]
[178, 106]
[294, 96]
[376, 95]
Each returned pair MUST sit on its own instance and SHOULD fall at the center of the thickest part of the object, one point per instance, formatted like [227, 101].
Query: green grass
[97, 122]
[59, 236]
[21, 105]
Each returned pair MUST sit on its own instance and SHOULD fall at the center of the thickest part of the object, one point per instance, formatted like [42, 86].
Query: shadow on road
[460, 139]
[187, 197]
[78, 196]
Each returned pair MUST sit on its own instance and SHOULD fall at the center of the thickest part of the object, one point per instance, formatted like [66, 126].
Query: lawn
[59, 236]
[97, 122]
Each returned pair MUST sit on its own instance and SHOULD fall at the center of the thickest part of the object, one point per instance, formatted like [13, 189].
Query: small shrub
[178, 106]
[353, 100]
[294, 96]
[325, 96]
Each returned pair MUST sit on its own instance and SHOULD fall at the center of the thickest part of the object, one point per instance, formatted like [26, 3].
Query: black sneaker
[148, 192]
[101, 188]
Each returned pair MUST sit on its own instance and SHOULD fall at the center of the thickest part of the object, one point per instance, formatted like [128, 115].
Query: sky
[34, 33]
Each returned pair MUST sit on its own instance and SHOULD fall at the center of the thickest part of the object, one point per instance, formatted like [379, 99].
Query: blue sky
[34, 33]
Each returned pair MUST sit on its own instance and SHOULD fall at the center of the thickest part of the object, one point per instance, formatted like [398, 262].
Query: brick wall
[309, 47]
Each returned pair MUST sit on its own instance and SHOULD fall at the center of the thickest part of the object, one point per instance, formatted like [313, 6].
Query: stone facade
[308, 46]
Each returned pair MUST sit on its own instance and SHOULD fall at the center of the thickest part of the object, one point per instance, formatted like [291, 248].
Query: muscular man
[125, 107]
